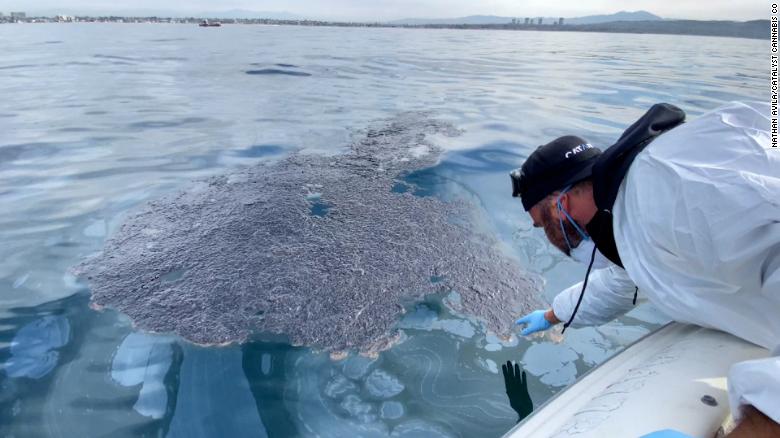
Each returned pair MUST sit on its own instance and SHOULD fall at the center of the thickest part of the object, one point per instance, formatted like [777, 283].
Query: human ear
[553, 206]
[564, 201]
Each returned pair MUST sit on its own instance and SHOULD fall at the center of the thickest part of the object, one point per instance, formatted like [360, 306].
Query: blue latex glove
[666, 433]
[534, 322]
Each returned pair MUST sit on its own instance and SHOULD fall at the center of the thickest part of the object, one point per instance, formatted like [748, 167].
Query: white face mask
[583, 251]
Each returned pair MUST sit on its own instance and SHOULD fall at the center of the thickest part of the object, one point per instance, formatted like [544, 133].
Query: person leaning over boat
[686, 214]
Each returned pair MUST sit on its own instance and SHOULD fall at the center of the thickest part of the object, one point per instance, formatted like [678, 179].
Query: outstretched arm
[609, 294]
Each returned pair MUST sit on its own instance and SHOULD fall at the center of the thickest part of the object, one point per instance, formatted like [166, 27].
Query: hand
[535, 322]
[754, 423]
[517, 390]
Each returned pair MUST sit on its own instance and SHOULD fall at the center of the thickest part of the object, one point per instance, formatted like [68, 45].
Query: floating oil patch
[555, 361]
[166, 40]
[425, 318]
[552, 363]
[391, 410]
[257, 256]
[18, 66]
[277, 71]
[381, 384]
[34, 347]
[423, 387]
[144, 360]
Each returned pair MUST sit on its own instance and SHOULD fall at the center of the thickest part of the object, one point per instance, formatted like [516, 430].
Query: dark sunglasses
[518, 187]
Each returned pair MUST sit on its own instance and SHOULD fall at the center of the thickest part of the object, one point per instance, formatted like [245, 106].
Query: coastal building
[560, 21]
[527, 21]
[19, 15]
[539, 21]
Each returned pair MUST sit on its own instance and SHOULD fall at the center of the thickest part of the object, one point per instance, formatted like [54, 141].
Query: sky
[384, 10]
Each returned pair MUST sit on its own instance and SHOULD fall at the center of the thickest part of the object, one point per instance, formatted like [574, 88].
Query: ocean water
[96, 119]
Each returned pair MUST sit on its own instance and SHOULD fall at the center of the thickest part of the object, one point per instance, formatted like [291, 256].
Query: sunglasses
[518, 186]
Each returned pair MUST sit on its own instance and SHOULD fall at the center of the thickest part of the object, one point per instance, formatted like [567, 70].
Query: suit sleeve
[609, 294]
[756, 383]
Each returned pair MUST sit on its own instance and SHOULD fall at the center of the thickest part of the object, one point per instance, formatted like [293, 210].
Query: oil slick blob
[144, 360]
[421, 387]
[425, 318]
[319, 249]
[382, 384]
[552, 363]
[277, 71]
[34, 347]
[556, 362]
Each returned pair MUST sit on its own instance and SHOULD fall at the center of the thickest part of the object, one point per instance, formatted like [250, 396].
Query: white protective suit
[697, 226]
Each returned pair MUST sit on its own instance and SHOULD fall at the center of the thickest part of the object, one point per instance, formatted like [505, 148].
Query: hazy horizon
[385, 10]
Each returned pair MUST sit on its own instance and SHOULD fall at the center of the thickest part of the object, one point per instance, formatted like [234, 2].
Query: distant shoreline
[756, 29]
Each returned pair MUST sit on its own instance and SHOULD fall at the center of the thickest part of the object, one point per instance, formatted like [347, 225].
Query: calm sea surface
[96, 119]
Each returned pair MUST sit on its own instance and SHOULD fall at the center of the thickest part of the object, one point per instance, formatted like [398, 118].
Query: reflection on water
[97, 119]
[144, 360]
[441, 380]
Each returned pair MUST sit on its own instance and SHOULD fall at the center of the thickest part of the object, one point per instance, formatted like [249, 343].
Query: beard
[552, 229]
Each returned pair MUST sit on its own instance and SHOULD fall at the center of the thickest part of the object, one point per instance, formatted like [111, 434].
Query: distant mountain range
[493, 19]
[758, 29]
[618, 16]
[232, 13]
[281, 15]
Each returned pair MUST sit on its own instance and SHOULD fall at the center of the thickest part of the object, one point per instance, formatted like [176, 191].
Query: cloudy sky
[381, 10]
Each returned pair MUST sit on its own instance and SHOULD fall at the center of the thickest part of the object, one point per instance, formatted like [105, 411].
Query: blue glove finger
[529, 318]
[535, 322]
[531, 329]
[524, 319]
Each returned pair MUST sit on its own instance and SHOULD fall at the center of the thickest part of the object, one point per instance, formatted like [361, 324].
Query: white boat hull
[666, 380]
